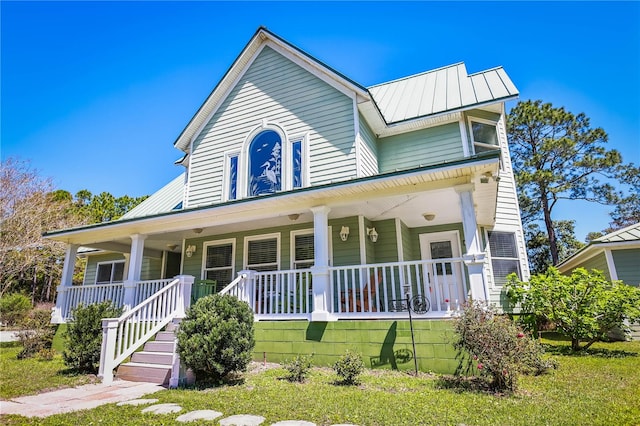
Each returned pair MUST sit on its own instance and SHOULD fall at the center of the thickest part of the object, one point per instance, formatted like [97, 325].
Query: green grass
[32, 376]
[601, 387]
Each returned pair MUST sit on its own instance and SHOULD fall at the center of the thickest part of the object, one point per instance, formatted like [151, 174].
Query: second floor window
[265, 163]
[484, 135]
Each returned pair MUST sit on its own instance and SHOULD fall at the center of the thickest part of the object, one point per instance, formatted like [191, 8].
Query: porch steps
[153, 364]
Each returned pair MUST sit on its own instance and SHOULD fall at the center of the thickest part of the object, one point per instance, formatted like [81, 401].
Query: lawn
[598, 388]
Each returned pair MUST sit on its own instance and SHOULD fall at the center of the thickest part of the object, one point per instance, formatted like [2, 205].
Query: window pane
[219, 256]
[484, 133]
[304, 247]
[502, 244]
[502, 268]
[118, 272]
[104, 273]
[441, 250]
[222, 276]
[263, 252]
[233, 177]
[297, 164]
[265, 163]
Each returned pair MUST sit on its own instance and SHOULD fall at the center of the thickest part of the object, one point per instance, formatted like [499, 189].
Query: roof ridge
[485, 71]
[618, 232]
[416, 75]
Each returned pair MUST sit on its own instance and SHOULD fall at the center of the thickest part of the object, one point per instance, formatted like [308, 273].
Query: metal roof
[439, 91]
[630, 233]
[164, 200]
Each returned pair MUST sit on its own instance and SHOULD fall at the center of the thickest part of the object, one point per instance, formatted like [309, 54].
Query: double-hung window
[484, 135]
[504, 256]
[218, 262]
[110, 272]
[302, 249]
[262, 253]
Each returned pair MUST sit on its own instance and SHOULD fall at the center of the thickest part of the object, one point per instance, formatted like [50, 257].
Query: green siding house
[322, 204]
[616, 254]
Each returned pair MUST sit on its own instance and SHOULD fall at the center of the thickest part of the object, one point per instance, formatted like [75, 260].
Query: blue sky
[95, 93]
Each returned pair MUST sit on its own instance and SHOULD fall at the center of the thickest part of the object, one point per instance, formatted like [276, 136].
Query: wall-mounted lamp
[373, 235]
[190, 250]
[488, 175]
[344, 233]
[429, 216]
[293, 217]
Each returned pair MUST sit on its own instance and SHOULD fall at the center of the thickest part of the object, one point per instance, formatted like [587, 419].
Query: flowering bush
[498, 349]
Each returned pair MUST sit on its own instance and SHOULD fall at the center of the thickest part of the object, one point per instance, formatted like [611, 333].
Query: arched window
[265, 163]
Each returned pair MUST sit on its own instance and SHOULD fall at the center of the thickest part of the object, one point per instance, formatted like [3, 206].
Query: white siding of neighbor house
[369, 149]
[275, 89]
[419, 148]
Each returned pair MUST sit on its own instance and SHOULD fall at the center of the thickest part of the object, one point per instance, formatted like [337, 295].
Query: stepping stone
[293, 423]
[242, 420]
[199, 415]
[139, 402]
[163, 409]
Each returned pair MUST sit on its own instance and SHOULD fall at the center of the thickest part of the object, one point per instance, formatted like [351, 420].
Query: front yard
[601, 387]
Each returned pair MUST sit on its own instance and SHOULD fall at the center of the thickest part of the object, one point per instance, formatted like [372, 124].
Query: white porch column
[474, 256]
[59, 312]
[135, 268]
[320, 269]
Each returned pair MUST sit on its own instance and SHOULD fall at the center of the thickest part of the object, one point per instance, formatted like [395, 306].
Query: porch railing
[124, 335]
[369, 289]
[88, 294]
[145, 289]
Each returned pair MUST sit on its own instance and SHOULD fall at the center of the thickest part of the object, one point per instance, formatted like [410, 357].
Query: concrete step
[159, 346]
[166, 336]
[162, 358]
[172, 326]
[150, 373]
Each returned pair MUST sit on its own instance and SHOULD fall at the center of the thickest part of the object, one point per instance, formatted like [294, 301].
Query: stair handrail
[241, 277]
[122, 336]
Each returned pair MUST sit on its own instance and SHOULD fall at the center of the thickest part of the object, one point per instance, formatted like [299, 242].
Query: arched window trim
[285, 154]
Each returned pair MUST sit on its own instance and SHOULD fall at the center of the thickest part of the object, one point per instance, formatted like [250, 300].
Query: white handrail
[240, 278]
[124, 335]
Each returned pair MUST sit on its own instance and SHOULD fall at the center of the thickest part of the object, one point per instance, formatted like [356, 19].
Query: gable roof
[630, 233]
[389, 108]
[168, 198]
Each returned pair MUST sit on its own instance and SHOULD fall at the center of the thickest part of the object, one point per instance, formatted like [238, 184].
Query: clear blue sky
[95, 93]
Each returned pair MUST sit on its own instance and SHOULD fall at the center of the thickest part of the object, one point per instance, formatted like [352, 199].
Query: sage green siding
[407, 247]
[368, 150]
[151, 268]
[628, 265]
[422, 147]
[279, 91]
[415, 236]
[345, 252]
[598, 262]
[386, 248]
[92, 265]
[383, 344]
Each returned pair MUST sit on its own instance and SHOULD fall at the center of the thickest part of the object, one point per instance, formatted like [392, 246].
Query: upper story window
[265, 163]
[110, 272]
[484, 135]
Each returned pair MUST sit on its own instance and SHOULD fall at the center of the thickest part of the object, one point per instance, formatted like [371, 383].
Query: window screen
[304, 251]
[504, 256]
[262, 255]
[219, 263]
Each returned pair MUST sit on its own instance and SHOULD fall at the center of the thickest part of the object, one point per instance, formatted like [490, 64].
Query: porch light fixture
[172, 247]
[373, 235]
[429, 216]
[190, 250]
[198, 230]
[485, 177]
[293, 217]
[344, 233]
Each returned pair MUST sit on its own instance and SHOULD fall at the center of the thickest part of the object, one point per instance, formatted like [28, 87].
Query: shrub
[298, 368]
[584, 306]
[83, 339]
[37, 335]
[14, 308]
[497, 347]
[216, 337]
[349, 367]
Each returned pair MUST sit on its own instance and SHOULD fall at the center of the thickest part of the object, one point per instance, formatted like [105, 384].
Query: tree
[538, 244]
[627, 211]
[104, 207]
[558, 156]
[584, 306]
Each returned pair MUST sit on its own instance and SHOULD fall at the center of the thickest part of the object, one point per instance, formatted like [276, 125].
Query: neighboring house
[322, 203]
[616, 254]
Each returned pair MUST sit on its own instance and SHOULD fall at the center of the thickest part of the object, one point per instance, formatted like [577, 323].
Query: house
[323, 204]
[616, 254]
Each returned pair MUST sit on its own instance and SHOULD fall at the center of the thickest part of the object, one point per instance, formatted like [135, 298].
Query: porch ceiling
[406, 195]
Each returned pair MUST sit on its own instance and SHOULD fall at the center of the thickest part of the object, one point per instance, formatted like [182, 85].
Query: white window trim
[490, 256]
[207, 244]
[243, 161]
[292, 244]
[304, 139]
[482, 121]
[226, 177]
[275, 235]
[112, 263]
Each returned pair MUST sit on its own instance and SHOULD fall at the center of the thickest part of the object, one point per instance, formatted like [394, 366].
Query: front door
[444, 277]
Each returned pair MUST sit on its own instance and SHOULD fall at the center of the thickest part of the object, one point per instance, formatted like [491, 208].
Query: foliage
[37, 335]
[627, 211]
[216, 337]
[104, 207]
[584, 306]
[349, 367]
[298, 368]
[497, 347]
[538, 244]
[558, 156]
[14, 308]
[83, 339]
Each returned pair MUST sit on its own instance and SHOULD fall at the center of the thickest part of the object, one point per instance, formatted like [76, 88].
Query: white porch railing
[370, 290]
[124, 335]
[89, 294]
[275, 294]
[145, 289]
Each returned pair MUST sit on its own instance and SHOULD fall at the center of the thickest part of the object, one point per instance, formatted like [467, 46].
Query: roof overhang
[593, 249]
[341, 197]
